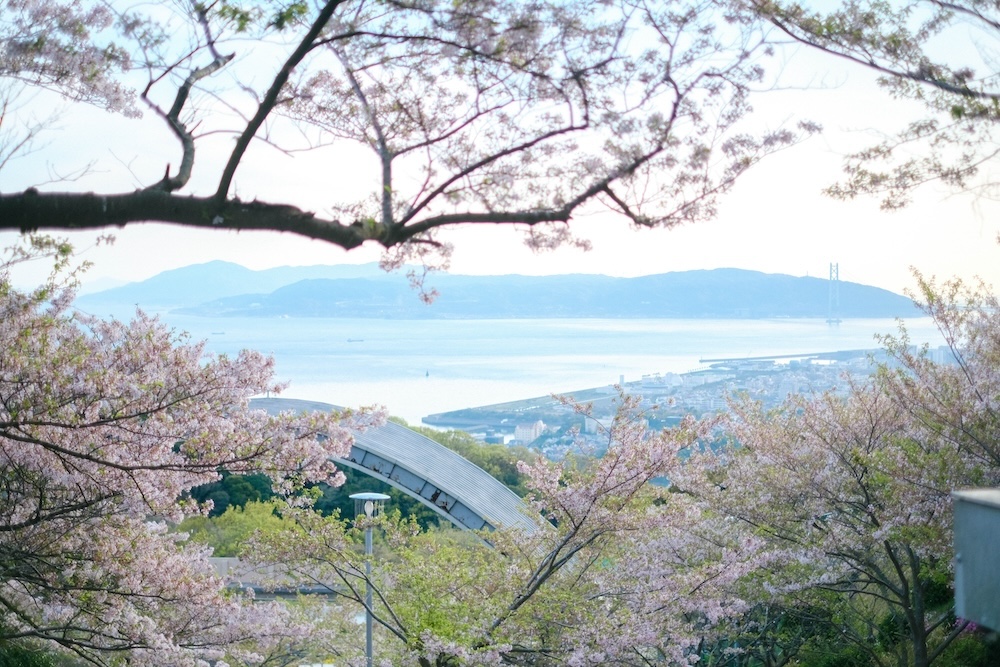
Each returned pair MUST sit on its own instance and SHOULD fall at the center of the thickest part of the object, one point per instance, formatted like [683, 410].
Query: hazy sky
[776, 220]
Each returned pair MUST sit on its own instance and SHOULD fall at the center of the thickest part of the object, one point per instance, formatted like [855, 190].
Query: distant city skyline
[775, 220]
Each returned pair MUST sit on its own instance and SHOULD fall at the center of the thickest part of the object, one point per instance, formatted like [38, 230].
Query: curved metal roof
[452, 486]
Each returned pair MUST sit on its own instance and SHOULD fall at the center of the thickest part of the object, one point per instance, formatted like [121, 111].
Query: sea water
[420, 367]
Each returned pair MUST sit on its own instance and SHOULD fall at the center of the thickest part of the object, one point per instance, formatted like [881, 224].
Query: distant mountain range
[221, 289]
[195, 284]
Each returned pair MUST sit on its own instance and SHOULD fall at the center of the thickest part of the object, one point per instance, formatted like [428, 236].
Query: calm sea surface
[419, 367]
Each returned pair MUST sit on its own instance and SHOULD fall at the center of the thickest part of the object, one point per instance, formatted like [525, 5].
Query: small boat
[355, 340]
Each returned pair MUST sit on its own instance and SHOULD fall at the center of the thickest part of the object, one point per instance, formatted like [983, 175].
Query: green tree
[336, 501]
[15, 654]
[233, 491]
[772, 634]
[229, 532]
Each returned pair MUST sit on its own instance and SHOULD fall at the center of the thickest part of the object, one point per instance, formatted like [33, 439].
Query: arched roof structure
[449, 484]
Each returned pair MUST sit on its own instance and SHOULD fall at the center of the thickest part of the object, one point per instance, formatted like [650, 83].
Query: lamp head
[368, 504]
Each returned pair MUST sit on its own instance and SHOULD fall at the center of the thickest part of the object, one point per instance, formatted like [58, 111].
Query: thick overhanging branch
[32, 210]
[73, 211]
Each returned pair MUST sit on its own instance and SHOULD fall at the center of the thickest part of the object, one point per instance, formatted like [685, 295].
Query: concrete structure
[977, 543]
[442, 480]
[267, 582]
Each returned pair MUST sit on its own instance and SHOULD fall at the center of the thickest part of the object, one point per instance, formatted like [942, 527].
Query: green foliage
[838, 656]
[289, 14]
[442, 573]
[972, 650]
[773, 634]
[17, 654]
[938, 589]
[240, 18]
[891, 630]
[227, 534]
[331, 500]
[233, 491]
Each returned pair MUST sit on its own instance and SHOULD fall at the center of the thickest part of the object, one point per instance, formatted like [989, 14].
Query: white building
[526, 433]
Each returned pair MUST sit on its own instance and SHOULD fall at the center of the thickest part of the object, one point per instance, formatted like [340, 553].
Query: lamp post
[371, 505]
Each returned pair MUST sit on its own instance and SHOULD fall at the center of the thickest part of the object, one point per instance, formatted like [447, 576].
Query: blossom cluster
[105, 426]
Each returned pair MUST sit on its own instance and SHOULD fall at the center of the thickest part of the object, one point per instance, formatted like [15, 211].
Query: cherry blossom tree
[620, 571]
[477, 112]
[104, 427]
[850, 494]
[942, 54]
[852, 500]
[953, 394]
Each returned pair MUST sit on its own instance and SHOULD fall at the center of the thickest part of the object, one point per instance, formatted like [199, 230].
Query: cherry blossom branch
[172, 116]
[829, 45]
[267, 103]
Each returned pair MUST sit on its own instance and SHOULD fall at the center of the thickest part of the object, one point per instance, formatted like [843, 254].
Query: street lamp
[370, 505]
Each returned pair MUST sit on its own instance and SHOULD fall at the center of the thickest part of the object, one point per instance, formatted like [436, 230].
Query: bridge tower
[833, 303]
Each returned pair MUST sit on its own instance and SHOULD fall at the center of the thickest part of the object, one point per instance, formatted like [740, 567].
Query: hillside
[219, 289]
[191, 285]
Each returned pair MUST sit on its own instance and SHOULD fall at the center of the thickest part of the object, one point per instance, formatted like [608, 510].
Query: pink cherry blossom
[104, 427]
